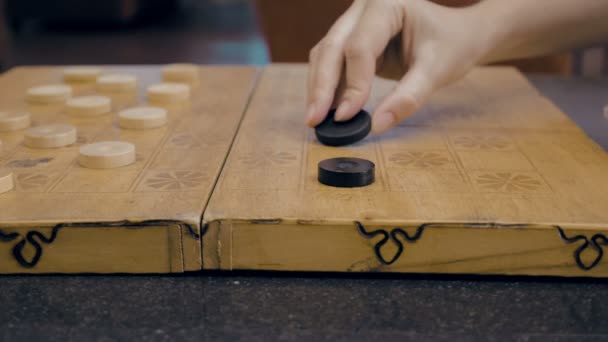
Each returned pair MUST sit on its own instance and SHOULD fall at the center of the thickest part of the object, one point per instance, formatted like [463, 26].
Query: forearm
[527, 28]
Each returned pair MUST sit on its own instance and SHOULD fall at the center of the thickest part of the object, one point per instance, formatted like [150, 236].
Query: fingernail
[310, 113]
[342, 111]
[382, 122]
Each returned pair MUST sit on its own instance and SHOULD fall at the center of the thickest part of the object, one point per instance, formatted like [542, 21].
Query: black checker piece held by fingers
[333, 133]
[346, 172]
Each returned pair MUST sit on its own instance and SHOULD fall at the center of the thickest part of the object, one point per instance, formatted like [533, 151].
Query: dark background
[164, 31]
[312, 307]
[201, 31]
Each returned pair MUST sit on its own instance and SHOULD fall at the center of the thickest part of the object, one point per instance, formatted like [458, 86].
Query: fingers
[324, 74]
[326, 65]
[411, 92]
[364, 46]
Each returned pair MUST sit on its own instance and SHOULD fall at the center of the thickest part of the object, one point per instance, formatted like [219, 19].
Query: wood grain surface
[489, 177]
[124, 219]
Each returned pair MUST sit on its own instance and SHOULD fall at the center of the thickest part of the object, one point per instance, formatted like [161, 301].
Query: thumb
[411, 92]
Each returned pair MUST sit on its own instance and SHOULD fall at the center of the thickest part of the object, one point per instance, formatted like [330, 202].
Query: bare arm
[525, 28]
[430, 46]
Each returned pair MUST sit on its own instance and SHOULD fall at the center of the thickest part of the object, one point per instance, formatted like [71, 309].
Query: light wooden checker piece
[117, 82]
[489, 178]
[182, 73]
[50, 93]
[107, 155]
[14, 121]
[50, 136]
[87, 106]
[81, 74]
[142, 117]
[168, 93]
[146, 217]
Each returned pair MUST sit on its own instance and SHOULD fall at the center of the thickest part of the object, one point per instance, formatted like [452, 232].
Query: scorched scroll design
[35, 239]
[390, 236]
[594, 244]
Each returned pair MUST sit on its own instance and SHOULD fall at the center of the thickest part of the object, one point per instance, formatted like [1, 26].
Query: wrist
[493, 31]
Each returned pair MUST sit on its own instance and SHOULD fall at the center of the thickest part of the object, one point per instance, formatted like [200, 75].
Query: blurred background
[62, 32]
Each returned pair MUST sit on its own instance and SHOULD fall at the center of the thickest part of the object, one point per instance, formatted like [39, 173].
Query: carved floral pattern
[273, 157]
[28, 162]
[184, 141]
[506, 181]
[29, 181]
[175, 180]
[481, 142]
[419, 159]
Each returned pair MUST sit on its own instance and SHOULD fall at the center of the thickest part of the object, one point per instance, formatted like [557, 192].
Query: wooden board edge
[216, 241]
[27, 245]
[448, 248]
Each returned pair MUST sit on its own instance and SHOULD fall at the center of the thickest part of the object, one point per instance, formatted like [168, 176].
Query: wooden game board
[489, 178]
[145, 217]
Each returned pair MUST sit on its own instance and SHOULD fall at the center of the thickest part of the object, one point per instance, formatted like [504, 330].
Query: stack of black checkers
[345, 172]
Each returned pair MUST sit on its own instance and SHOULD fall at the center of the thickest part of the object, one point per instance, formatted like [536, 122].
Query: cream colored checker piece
[6, 180]
[117, 83]
[49, 93]
[107, 155]
[89, 105]
[182, 73]
[142, 117]
[50, 136]
[14, 121]
[165, 93]
[82, 74]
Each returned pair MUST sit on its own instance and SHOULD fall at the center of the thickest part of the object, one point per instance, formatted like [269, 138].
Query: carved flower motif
[184, 141]
[28, 163]
[176, 180]
[505, 181]
[481, 142]
[278, 158]
[419, 159]
[28, 181]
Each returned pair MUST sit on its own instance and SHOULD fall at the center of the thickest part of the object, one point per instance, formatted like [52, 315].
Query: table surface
[296, 306]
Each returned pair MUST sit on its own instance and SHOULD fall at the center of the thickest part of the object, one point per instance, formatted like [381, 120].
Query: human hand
[424, 45]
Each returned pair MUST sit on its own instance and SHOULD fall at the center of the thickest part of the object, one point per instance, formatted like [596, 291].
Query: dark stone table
[317, 307]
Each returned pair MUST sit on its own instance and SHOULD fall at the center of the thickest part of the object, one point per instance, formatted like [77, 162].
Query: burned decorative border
[392, 236]
[37, 240]
[595, 242]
